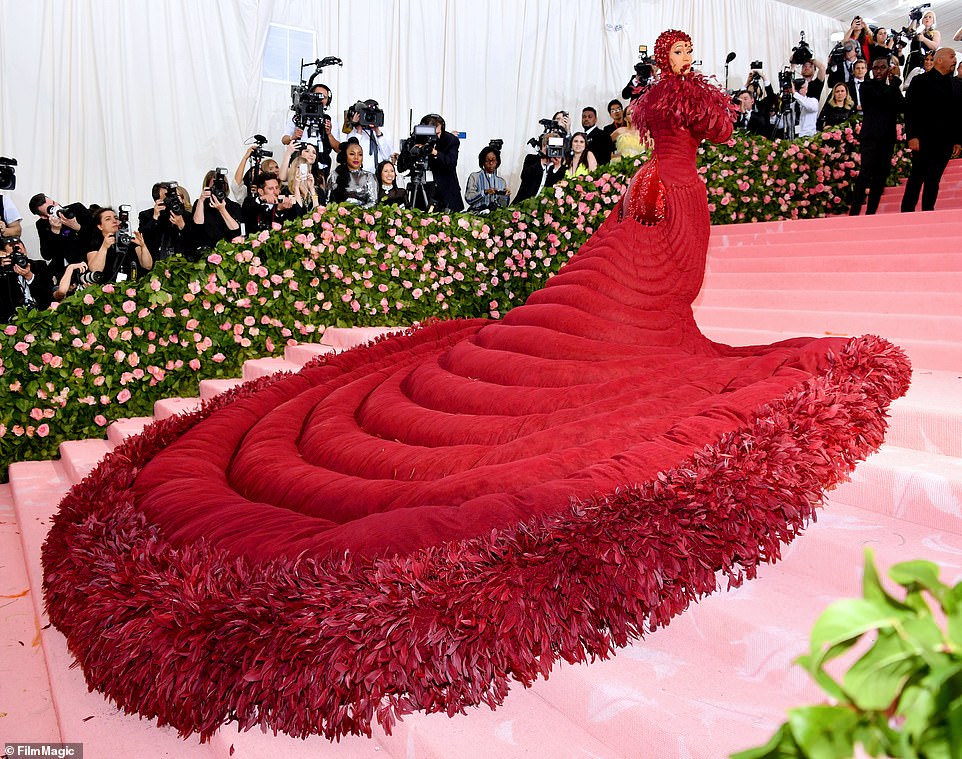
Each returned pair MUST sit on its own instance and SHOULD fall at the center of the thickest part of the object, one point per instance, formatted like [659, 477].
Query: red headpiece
[663, 47]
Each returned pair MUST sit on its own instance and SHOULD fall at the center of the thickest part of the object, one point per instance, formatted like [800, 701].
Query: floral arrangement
[101, 355]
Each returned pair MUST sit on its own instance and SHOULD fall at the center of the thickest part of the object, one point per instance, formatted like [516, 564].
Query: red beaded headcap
[663, 47]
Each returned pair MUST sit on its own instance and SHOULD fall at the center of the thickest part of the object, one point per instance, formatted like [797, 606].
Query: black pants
[928, 165]
[872, 175]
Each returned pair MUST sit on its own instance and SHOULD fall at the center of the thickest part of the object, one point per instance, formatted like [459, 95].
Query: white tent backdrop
[101, 98]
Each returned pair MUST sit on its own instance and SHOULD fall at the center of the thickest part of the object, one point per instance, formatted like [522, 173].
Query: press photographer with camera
[352, 183]
[121, 255]
[215, 215]
[24, 283]
[882, 104]
[811, 69]
[923, 36]
[325, 133]
[646, 72]
[807, 109]
[443, 166]
[841, 62]
[546, 167]
[63, 230]
[265, 206]
[167, 227]
[366, 121]
[261, 162]
[859, 32]
[75, 277]
[486, 190]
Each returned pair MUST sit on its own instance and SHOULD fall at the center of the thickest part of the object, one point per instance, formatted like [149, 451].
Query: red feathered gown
[414, 524]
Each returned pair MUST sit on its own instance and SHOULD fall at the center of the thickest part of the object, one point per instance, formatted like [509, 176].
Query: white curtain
[102, 98]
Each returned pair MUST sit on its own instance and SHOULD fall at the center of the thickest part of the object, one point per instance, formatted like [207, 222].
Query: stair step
[852, 281]
[303, 352]
[122, 429]
[79, 457]
[264, 367]
[350, 337]
[864, 301]
[896, 262]
[211, 388]
[168, 407]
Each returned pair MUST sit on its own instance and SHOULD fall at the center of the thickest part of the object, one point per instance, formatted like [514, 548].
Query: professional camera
[496, 144]
[644, 68]
[556, 145]
[172, 199]
[124, 236]
[416, 149]
[370, 115]
[801, 53]
[80, 279]
[786, 81]
[307, 105]
[259, 153]
[8, 174]
[219, 187]
[16, 257]
[63, 213]
[916, 13]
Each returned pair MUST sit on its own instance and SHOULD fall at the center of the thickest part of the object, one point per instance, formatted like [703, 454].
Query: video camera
[416, 149]
[801, 53]
[786, 81]
[556, 144]
[308, 106]
[916, 13]
[368, 112]
[8, 174]
[219, 187]
[644, 68]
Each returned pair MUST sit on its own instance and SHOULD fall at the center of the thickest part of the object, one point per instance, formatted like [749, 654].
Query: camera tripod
[417, 189]
[784, 123]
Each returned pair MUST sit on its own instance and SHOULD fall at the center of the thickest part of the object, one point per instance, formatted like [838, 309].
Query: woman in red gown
[414, 524]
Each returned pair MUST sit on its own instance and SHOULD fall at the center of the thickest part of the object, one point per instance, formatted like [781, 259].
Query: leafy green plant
[902, 698]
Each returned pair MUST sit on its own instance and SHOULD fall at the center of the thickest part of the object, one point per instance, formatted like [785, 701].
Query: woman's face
[928, 62]
[840, 93]
[578, 144]
[490, 163]
[270, 167]
[680, 57]
[388, 174]
[109, 223]
[309, 153]
[354, 157]
[928, 20]
[881, 34]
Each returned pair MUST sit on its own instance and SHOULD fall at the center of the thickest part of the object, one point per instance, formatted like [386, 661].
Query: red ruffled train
[414, 524]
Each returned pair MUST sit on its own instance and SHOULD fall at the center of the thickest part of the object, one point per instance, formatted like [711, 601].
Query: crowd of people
[916, 78]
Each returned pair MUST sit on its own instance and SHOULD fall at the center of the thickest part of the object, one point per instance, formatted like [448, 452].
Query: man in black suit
[540, 171]
[752, 120]
[443, 163]
[882, 104]
[599, 143]
[933, 126]
[859, 73]
[65, 232]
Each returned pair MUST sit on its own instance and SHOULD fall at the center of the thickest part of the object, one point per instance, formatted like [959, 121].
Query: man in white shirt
[373, 139]
[807, 110]
[859, 70]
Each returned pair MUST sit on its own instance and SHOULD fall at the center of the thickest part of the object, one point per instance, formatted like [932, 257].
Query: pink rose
[123, 396]
[43, 430]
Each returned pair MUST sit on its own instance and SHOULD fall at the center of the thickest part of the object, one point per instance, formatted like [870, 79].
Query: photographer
[923, 40]
[24, 283]
[216, 217]
[544, 168]
[261, 162]
[121, 256]
[167, 227]
[486, 190]
[326, 139]
[443, 166]
[859, 32]
[264, 206]
[807, 109]
[64, 232]
[813, 72]
[76, 277]
[882, 104]
[366, 121]
[842, 62]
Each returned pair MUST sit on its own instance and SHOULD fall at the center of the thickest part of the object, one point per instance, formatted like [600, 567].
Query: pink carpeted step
[819, 281]
[872, 242]
[932, 260]
[211, 388]
[929, 417]
[264, 367]
[922, 488]
[894, 326]
[303, 352]
[28, 712]
[870, 301]
[935, 355]
[350, 337]
[832, 229]
[79, 457]
[122, 429]
[172, 406]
